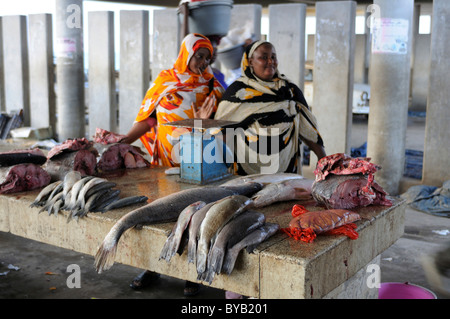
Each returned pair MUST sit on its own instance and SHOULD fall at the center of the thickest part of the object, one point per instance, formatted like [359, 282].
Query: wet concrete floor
[33, 270]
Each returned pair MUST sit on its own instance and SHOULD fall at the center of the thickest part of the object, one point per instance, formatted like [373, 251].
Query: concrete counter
[330, 267]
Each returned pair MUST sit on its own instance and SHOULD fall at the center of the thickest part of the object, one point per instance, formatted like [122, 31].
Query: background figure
[271, 110]
[188, 90]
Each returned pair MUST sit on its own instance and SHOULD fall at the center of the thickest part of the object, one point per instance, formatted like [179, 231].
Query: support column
[437, 132]
[2, 82]
[102, 83]
[165, 40]
[389, 79]
[42, 79]
[289, 33]
[70, 70]
[15, 50]
[334, 73]
[134, 65]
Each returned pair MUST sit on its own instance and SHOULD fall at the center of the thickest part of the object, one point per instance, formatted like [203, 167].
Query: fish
[49, 205]
[81, 200]
[216, 218]
[264, 179]
[71, 178]
[126, 201]
[92, 201]
[14, 157]
[43, 195]
[163, 209]
[172, 243]
[291, 189]
[70, 203]
[234, 231]
[250, 241]
[94, 189]
[194, 227]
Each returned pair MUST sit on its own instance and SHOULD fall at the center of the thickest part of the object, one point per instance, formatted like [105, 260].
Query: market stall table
[330, 267]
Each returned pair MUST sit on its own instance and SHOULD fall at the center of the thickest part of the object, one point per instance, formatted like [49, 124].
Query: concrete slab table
[330, 267]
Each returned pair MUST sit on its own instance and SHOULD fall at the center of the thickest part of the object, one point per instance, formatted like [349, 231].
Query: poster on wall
[390, 36]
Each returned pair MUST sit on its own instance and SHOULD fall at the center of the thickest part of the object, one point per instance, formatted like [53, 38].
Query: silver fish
[194, 227]
[71, 178]
[291, 189]
[173, 241]
[41, 198]
[250, 241]
[50, 204]
[163, 209]
[262, 179]
[126, 201]
[81, 200]
[234, 231]
[94, 189]
[216, 218]
[70, 203]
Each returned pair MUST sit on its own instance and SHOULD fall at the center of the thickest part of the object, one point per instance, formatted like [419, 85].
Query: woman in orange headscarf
[188, 90]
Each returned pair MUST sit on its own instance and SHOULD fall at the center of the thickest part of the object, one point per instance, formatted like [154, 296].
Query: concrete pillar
[102, 83]
[389, 80]
[437, 132]
[15, 50]
[42, 79]
[134, 65]
[249, 14]
[289, 33]
[70, 70]
[2, 82]
[334, 73]
[164, 45]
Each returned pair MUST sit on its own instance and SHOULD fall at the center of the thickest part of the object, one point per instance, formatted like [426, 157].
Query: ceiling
[264, 3]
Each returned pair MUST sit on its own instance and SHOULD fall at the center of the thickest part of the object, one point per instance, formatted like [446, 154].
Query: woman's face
[264, 62]
[200, 61]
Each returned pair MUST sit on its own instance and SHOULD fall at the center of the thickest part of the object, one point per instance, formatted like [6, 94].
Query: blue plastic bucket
[210, 17]
[397, 290]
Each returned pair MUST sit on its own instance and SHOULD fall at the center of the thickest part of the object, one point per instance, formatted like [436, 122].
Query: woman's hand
[205, 111]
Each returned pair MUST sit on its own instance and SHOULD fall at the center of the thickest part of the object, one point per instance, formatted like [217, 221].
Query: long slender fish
[163, 209]
[194, 228]
[216, 218]
[126, 201]
[233, 232]
[251, 240]
[262, 179]
[291, 189]
[81, 200]
[71, 178]
[173, 240]
[41, 198]
[70, 203]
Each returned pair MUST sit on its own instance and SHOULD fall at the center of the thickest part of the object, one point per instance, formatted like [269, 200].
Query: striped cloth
[273, 115]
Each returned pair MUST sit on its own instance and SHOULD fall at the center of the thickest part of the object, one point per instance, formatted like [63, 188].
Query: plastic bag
[306, 225]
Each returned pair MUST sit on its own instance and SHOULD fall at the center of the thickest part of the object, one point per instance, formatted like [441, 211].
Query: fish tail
[106, 254]
[229, 261]
[208, 276]
[215, 260]
[165, 250]
[201, 258]
[192, 249]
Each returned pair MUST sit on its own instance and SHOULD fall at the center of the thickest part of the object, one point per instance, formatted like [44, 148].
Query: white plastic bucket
[231, 57]
[210, 17]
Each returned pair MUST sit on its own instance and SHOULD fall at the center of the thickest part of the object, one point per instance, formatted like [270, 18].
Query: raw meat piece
[119, 155]
[83, 161]
[70, 145]
[106, 137]
[22, 177]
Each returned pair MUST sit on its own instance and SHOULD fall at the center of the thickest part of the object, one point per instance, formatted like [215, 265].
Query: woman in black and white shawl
[272, 113]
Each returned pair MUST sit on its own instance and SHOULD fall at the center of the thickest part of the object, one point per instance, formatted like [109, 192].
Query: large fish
[233, 232]
[14, 157]
[250, 241]
[291, 189]
[173, 241]
[216, 218]
[164, 209]
[262, 179]
[194, 227]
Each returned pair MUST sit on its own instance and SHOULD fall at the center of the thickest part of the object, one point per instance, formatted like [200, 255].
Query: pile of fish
[82, 194]
[215, 233]
[214, 222]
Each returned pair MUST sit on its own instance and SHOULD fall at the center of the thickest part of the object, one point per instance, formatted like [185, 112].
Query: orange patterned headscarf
[173, 94]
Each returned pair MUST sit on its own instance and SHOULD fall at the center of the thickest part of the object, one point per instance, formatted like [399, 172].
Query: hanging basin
[211, 17]
[231, 57]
